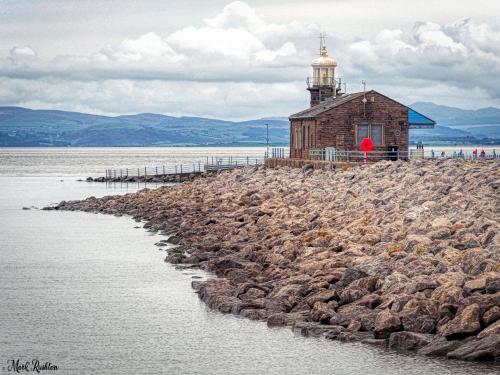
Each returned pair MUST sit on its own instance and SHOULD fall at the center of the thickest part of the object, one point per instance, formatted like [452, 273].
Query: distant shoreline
[412, 145]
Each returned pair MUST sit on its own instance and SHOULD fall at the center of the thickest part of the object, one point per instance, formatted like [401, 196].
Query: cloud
[462, 55]
[237, 45]
[238, 64]
[229, 100]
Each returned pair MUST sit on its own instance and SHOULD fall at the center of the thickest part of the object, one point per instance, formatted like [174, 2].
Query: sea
[91, 293]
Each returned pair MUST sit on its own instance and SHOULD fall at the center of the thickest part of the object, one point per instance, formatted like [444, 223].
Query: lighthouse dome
[324, 60]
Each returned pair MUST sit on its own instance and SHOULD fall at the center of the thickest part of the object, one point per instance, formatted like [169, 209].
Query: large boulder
[480, 349]
[465, 324]
[492, 284]
[371, 301]
[347, 313]
[350, 275]
[491, 315]
[351, 294]
[399, 302]
[441, 222]
[310, 329]
[333, 332]
[419, 315]
[440, 346]
[447, 294]
[409, 340]
[386, 322]
[321, 312]
[323, 296]
[493, 329]
[490, 280]
[277, 320]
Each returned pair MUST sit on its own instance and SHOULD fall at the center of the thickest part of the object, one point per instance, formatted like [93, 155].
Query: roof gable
[325, 106]
[415, 119]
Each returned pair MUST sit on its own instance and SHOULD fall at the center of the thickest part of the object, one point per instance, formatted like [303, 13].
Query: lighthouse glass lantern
[324, 69]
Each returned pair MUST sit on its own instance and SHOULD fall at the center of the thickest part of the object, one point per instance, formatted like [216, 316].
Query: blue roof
[417, 120]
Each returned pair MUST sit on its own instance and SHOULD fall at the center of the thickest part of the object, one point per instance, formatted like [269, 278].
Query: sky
[242, 60]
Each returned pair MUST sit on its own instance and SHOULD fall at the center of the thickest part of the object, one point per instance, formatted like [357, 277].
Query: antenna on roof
[322, 43]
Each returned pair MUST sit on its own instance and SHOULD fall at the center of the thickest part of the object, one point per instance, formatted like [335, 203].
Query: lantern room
[322, 85]
[323, 69]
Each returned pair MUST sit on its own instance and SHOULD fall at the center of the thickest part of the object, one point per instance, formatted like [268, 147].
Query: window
[373, 131]
[376, 135]
[362, 133]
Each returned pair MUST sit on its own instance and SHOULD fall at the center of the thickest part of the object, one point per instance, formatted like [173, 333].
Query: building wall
[337, 127]
[302, 138]
[320, 93]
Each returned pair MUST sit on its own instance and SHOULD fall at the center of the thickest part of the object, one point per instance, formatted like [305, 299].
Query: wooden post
[138, 173]
[145, 172]
[127, 172]
[156, 171]
[163, 169]
[181, 168]
[121, 174]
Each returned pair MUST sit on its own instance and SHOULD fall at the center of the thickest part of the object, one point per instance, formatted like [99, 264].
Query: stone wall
[302, 138]
[337, 127]
[320, 93]
[299, 163]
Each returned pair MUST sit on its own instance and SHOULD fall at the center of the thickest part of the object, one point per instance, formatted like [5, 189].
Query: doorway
[392, 153]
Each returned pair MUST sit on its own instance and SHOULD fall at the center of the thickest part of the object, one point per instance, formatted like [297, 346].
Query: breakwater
[403, 255]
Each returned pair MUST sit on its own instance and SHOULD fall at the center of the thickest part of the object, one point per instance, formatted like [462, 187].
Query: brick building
[340, 121]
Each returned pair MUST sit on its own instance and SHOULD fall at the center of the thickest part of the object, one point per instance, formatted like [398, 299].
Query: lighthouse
[338, 121]
[322, 85]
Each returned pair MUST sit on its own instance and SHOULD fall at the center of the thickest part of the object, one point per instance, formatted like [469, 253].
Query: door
[392, 153]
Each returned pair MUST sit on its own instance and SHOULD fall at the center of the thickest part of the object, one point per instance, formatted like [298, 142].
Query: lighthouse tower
[322, 85]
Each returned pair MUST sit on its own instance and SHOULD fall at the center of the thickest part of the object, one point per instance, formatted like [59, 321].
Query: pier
[182, 171]
[327, 158]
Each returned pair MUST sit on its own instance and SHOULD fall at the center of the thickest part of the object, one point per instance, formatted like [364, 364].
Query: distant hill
[456, 125]
[445, 115]
[27, 127]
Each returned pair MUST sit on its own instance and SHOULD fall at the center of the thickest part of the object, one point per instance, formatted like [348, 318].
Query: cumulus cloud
[462, 55]
[238, 64]
[236, 45]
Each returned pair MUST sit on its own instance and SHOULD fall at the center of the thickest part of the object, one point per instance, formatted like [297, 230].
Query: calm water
[94, 161]
[91, 293]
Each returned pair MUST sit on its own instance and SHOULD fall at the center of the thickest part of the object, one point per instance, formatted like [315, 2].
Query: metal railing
[211, 163]
[278, 153]
[332, 154]
[321, 81]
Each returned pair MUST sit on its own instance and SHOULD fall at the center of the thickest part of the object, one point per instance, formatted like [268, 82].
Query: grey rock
[484, 349]
[409, 340]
